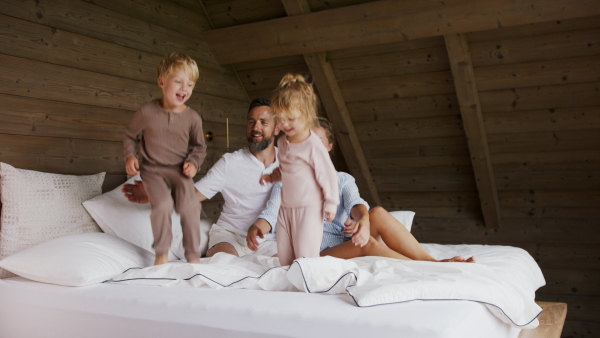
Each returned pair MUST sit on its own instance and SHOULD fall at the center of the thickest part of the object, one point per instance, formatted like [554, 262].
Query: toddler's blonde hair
[175, 60]
[294, 92]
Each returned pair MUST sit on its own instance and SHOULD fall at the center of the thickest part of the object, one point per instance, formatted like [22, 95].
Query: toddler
[309, 180]
[172, 148]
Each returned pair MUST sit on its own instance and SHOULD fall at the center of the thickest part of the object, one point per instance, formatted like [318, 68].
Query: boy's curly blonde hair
[294, 92]
[175, 60]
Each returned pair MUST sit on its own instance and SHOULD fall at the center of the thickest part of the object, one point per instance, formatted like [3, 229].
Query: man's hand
[189, 169]
[360, 231]
[251, 241]
[259, 228]
[264, 179]
[135, 192]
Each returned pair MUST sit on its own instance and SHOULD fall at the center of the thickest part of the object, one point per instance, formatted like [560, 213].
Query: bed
[85, 271]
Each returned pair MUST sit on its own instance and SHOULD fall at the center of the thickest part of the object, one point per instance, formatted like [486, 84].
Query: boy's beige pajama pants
[168, 187]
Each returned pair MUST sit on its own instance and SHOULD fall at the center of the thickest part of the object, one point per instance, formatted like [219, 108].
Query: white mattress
[32, 309]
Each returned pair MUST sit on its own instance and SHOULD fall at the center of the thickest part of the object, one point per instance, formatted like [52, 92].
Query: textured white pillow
[131, 221]
[404, 217]
[77, 260]
[38, 206]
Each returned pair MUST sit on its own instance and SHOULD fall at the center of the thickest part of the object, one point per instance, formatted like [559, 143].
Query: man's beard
[258, 146]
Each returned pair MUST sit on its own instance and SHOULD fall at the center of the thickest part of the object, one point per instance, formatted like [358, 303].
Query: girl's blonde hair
[294, 92]
[175, 60]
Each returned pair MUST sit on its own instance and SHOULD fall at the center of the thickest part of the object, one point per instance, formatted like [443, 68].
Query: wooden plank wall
[540, 94]
[540, 98]
[73, 73]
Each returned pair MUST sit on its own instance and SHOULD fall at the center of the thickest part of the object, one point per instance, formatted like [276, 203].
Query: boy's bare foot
[460, 259]
[194, 261]
[161, 259]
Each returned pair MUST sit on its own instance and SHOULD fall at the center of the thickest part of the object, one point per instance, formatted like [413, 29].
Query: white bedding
[31, 309]
[222, 302]
[504, 279]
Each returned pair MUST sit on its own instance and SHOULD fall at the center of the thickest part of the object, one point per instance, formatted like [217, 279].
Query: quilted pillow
[37, 207]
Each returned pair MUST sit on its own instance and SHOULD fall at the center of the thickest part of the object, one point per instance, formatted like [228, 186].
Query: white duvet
[504, 278]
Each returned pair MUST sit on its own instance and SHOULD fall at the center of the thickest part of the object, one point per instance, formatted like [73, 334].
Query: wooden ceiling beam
[335, 107]
[381, 22]
[472, 119]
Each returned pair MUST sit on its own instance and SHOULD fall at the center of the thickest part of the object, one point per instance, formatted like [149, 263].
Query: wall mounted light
[209, 136]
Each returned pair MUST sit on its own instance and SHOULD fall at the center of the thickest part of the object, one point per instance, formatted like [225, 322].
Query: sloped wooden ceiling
[334, 41]
[381, 22]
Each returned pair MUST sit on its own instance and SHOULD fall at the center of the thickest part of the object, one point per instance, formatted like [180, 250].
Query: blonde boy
[172, 148]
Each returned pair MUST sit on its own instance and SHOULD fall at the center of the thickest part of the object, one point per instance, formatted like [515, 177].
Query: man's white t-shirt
[236, 176]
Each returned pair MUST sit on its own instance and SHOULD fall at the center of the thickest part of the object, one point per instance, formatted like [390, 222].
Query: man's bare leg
[222, 247]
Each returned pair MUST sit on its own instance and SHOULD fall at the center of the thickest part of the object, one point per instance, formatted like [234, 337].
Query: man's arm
[267, 218]
[200, 197]
[136, 193]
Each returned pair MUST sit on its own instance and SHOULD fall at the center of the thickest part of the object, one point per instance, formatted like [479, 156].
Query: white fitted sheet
[32, 309]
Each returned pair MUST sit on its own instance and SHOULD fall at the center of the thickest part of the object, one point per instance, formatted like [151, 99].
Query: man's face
[261, 128]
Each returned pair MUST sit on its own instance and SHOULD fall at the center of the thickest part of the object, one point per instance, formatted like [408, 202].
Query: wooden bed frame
[551, 320]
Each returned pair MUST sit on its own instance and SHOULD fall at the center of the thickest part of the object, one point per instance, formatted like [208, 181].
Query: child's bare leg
[348, 250]
[399, 239]
[161, 259]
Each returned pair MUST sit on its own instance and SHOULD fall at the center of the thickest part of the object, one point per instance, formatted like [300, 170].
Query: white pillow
[131, 221]
[38, 206]
[404, 217]
[77, 260]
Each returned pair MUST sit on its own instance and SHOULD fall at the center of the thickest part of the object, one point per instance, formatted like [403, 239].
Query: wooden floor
[551, 320]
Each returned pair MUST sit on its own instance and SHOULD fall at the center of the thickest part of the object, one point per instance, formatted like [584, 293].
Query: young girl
[310, 187]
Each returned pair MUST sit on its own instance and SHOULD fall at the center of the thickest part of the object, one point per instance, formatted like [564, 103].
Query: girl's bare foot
[161, 259]
[459, 259]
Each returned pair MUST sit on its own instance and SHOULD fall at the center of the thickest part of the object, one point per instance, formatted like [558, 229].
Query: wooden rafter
[381, 22]
[336, 109]
[470, 110]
